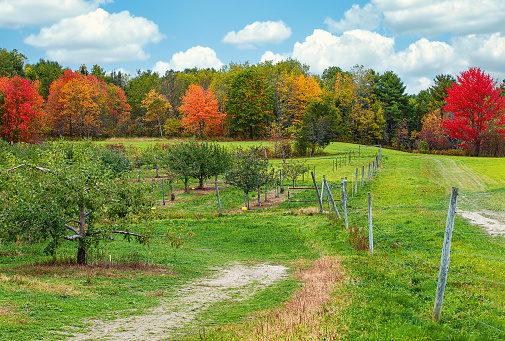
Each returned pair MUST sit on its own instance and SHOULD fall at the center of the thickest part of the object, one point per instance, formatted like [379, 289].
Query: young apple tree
[65, 191]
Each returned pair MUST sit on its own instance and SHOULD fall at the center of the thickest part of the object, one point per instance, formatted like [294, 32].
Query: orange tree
[80, 105]
[475, 108]
[20, 107]
[201, 111]
[249, 104]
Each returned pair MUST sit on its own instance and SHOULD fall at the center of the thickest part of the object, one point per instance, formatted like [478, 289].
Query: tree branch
[128, 233]
[42, 169]
[71, 228]
[77, 236]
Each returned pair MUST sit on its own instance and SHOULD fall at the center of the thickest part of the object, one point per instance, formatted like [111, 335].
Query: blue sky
[417, 39]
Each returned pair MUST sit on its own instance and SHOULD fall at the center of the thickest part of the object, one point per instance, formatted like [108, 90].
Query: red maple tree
[475, 110]
[201, 111]
[20, 107]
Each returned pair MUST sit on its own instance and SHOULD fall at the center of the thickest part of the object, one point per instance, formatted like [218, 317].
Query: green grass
[390, 292]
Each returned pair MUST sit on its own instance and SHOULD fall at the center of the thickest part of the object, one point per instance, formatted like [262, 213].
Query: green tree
[319, 126]
[11, 63]
[66, 191]
[250, 171]
[390, 91]
[249, 104]
[438, 91]
[46, 72]
[420, 107]
[328, 77]
[136, 90]
[197, 160]
[354, 96]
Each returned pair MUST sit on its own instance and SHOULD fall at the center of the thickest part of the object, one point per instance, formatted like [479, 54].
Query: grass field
[385, 296]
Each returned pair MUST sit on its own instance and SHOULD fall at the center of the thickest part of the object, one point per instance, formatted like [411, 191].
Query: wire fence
[476, 279]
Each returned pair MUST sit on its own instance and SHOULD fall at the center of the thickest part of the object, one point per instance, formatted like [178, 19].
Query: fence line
[406, 248]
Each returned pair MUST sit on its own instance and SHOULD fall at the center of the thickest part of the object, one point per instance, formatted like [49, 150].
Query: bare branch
[98, 232]
[87, 214]
[71, 228]
[128, 233]
[72, 221]
[42, 169]
[72, 237]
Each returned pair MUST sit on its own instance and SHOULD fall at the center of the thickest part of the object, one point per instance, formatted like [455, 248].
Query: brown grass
[116, 271]
[306, 315]
[14, 282]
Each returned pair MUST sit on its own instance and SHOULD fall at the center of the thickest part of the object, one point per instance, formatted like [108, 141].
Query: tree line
[242, 101]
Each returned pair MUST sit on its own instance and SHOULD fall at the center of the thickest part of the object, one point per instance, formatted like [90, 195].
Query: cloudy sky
[417, 39]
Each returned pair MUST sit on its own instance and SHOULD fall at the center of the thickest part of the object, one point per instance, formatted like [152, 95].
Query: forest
[282, 101]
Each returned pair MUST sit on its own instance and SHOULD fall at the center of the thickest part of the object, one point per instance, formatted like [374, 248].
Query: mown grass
[387, 296]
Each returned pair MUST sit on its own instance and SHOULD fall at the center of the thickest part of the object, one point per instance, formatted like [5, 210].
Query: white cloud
[18, 13]
[432, 17]
[97, 37]
[273, 57]
[259, 33]
[416, 84]
[485, 51]
[367, 18]
[322, 49]
[426, 57]
[198, 56]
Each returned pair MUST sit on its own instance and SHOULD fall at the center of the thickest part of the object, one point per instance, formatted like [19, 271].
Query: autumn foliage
[20, 108]
[201, 112]
[475, 110]
[433, 133]
[157, 108]
[80, 105]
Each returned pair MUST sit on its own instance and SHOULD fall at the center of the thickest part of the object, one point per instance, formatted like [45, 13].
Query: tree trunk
[200, 185]
[81, 251]
[81, 254]
[186, 189]
[159, 124]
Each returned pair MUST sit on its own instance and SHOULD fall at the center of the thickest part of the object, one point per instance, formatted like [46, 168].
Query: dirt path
[176, 312]
[492, 226]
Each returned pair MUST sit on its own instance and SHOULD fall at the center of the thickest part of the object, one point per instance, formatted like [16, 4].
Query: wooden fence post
[362, 175]
[344, 201]
[370, 226]
[218, 197]
[317, 192]
[163, 192]
[446, 255]
[322, 188]
[368, 173]
[356, 183]
[331, 198]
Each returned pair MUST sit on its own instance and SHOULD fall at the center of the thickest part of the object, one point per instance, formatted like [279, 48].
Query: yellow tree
[363, 119]
[305, 90]
[282, 95]
[157, 108]
[83, 100]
